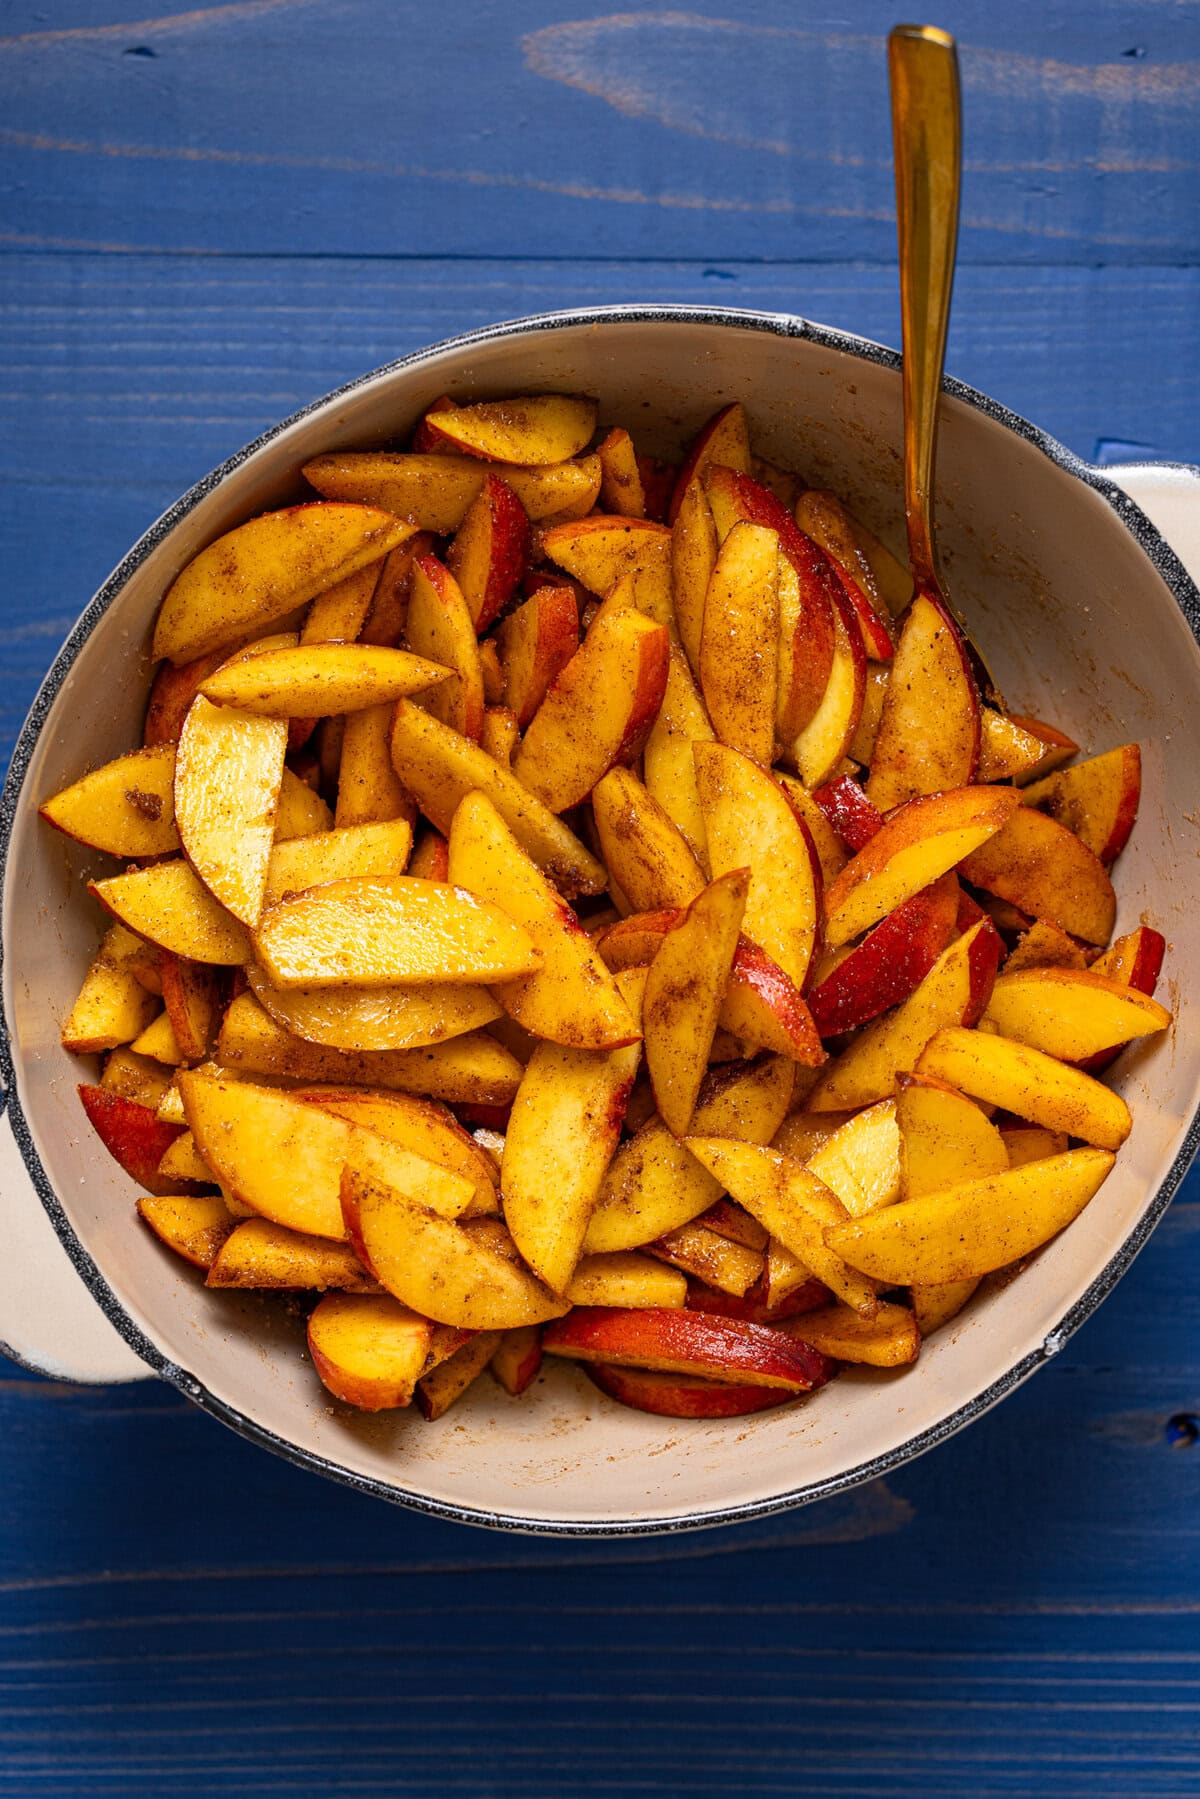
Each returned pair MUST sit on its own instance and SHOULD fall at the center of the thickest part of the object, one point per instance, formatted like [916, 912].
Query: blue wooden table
[209, 218]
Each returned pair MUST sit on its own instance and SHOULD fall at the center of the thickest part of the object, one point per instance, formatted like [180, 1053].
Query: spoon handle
[927, 134]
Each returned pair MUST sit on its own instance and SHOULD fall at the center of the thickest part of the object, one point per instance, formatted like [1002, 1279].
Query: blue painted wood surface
[210, 218]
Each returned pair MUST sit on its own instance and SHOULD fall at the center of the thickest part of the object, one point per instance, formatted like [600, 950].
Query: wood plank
[646, 134]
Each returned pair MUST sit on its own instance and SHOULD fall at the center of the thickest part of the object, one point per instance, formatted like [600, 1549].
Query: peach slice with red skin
[890, 962]
[529, 430]
[822, 517]
[441, 630]
[721, 1349]
[693, 558]
[1018, 750]
[849, 811]
[929, 730]
[535, 643]
[621, 488]
[755, 1306]
[724, 439]
[684, 990]
[918, 844]
[133, 1136]
[1072, 1013]
[171, 694]
[1097, 799]
[658, 483]
[446, 1382]
[1040, 866]
[192, 996]
[194, 1227]
[1136, 959]
[681, 1395]
[490, 551]
[808, 637]
[598, 710]
[599, 550]
[825, 741]
[1029, 1083]
[367, 1349]
[517, 1359]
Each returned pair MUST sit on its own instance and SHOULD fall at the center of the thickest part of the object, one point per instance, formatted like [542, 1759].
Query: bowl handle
[49, 1322]
[1169, 494]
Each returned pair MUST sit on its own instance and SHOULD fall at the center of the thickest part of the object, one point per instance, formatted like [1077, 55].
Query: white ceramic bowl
[1088, 618]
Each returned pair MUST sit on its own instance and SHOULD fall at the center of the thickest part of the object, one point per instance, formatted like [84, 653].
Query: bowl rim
[787, 325]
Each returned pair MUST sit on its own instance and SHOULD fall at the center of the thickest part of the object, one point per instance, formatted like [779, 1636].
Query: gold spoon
[927, 139]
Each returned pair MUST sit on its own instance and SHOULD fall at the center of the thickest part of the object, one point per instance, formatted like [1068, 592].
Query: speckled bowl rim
[1166, 563]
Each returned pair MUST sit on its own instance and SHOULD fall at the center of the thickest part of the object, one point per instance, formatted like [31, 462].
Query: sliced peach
[597, 551]
[831, 852]
[320, 679]
[427, 1129]
[658, 483]
[112, 1007]
[445, 1383]
[131, 1134]
[536, 642]
[754, 1306]
[194, 1227]
[517, 1359]
[463, 1274]
[471, 1069]
[973, 1228]
[739, 638]
[955, 991]
[376, 1018]
[194, 1003]
[367, 933]
[433, 492]
[531, 430]
[1044, 945]
[490, 551]
[125, 807]
[439, 766]
[228, 772]
[1136, 959]
[1031, 1143]
[684, 991]
[440, 629]
[890, 962]
[888, 1337]
[682, 1395]
[822, 517]
[710, 1257]
[565, 1125]
[1097, 799]
[928, 737]
[626, 1279]
[621, 488]
[169, 904]
[1057, 747]
[136, 1077]
[367, 1350]
[668, 765]
[917, 845]
[158, 1041]
[862, 746]
[653, 1185]
[284, 1159]
[946, 1139]
[721, 1349]
[750, 821]
[349, 852]
[724, 439]
[1008, 751]
[300, 809]
[648, 858]
[259, 1253]
[935, 1305]
[1040, 866]
[571, 998]
[598, 710]
[824, 741]
[693, 558]
[431, 856]
[792, 1204]
[862, 1161]
[264, 568]
[1028, 1082]
[1072, 1013]
[810, 604]
[385, 621]
[849, 811]
[171, 694]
